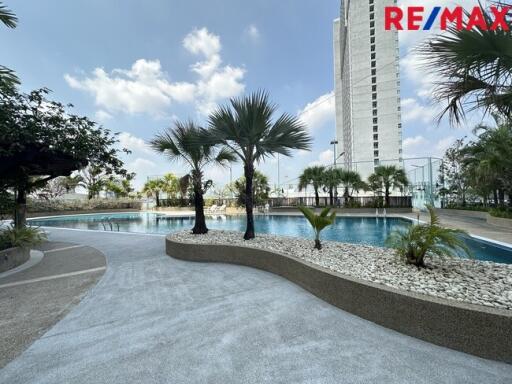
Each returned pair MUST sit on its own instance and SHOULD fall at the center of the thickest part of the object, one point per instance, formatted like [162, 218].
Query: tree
[312, 176]
[69, 183]
[388, 177]
[120, 186]
[93, 179]
[51, 190]
[455, 171]
[185, 143]
[41, 140]
[153, 188]
[475, 67]
[8, 79]
[331, 178]
[351, 181]
[246, 127]
[260, 189]
[421, 240]
[170, 185]
[318, 222]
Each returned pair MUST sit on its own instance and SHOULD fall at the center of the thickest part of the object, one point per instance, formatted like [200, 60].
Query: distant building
[367, 87]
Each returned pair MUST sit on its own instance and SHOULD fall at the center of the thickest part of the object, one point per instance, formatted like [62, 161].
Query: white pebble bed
[470, 281]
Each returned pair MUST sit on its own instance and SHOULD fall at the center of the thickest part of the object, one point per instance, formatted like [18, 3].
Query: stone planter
[474, 329]
[12, 257]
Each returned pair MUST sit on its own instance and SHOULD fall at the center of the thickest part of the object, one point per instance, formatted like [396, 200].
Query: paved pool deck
[154, 319]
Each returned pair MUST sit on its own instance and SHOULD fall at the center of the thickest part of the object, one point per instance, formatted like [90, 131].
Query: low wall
[12, 257]
[362, 211]
[499, 221]
[477, 330]
[60, 213]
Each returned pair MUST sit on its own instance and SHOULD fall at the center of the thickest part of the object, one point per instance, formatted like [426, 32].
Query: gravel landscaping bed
[470, 281]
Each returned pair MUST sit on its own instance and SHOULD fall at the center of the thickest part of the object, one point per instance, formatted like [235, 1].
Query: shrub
[318, 222]
[81, 205]
[501, 212]
[20, 237]
[422, 240]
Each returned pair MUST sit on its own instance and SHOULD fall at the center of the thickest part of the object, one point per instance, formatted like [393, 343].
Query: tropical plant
[24, 237]
[474, 66]
[318, 222]
[93, 179]
[8, 79]
[351, 181]
[41, 140]
[185, 143]
[153, 188]
[246, 127]
[120, 186]
[260, 189]
[331, 178]
[170, 185]
[313, 176]
[387, 177]
[418, 241]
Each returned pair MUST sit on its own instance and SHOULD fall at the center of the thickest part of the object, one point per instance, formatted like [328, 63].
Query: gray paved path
[153, 319]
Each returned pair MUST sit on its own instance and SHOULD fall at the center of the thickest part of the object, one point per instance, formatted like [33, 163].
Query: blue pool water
[362, 230]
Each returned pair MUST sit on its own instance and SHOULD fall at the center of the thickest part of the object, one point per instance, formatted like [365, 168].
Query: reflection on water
[365, 230]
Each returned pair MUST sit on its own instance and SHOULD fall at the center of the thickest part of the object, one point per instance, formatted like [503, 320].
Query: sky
[136, 67]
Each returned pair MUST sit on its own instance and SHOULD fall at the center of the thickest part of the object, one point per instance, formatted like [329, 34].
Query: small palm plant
[422, 240]
[318, 222]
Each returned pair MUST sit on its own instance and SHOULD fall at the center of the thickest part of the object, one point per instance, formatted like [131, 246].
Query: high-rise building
[367, 87]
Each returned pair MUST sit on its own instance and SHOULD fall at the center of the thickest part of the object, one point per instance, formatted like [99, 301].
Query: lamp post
[333, 143]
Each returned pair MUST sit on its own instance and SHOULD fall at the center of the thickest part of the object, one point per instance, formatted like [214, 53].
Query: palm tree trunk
[387, 197]
[249, 198]
[20, 209]
[157, 196]
[331, 197]
[200, 221]
[317, 197]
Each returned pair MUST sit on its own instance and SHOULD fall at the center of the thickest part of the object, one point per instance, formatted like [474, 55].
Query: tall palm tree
[331, 180]
[475, 68]
[185, 143]
[388, 177]
[313, 176]
[246, 127]
[351, 180]
[153, 188]
[8, 78]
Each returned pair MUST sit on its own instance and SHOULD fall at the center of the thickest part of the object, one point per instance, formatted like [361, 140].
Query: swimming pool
[362, 230]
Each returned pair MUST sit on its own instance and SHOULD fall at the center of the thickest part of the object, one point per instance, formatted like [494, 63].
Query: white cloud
[133, 143]
[412, 146]
[102, 115]
[324, 158]
[412, 110]
[146, 88]
[318, 112]
[443, 144]
[253, 33]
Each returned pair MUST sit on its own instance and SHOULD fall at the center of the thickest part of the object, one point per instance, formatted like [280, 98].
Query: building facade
[367, 87]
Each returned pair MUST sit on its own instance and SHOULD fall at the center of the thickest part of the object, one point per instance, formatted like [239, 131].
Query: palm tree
[331, 180]
[351, 180]
[388, 177]
[246, 127]
[153, 188]
[8, 78]
[421, 240]
[185, 143]
[312, 176]
[318, 222]
[475, 68]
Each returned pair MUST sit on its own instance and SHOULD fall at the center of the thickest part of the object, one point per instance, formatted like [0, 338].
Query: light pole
[333, 143]
[278, 174]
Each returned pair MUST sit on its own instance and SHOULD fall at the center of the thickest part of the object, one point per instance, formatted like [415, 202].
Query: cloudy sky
[135, 67]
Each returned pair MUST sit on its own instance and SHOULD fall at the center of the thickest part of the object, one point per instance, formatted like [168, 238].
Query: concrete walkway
[153, 319]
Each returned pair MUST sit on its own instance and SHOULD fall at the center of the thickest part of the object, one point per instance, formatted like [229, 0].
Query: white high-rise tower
[367, 87]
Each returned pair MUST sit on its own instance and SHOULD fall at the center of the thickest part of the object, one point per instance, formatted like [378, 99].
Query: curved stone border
[473, 329]
[13, 257]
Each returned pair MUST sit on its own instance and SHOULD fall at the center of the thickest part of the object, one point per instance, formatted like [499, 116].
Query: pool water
[359, 230]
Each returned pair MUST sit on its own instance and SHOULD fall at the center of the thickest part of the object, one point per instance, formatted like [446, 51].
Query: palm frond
[7, 17]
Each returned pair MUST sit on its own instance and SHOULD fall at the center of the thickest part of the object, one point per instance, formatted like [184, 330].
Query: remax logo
[415, 18]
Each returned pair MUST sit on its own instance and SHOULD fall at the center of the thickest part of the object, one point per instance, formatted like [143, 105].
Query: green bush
[23, 237]
[422, 240]
[56, 205]
[501, 212]
[351, 203]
